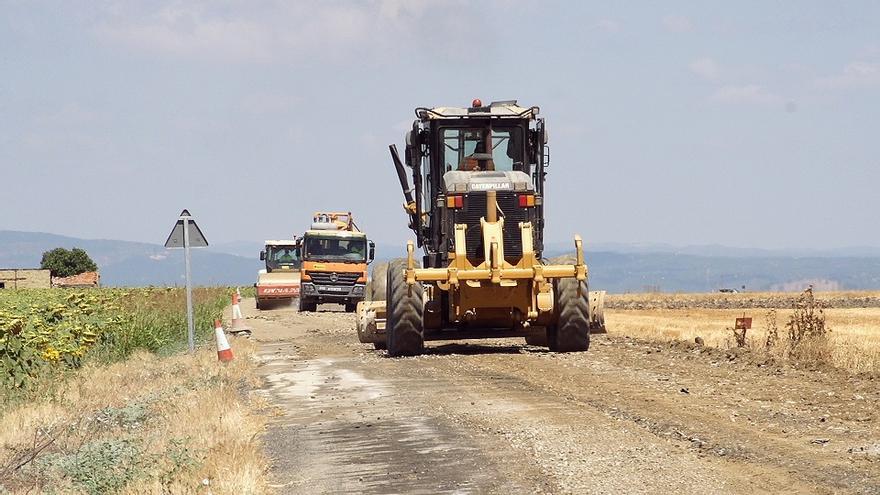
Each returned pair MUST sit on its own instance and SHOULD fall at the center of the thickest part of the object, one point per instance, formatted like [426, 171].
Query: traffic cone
[224, 352]
[238, 324]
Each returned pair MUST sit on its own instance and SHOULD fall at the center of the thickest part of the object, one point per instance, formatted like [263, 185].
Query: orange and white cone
[238, 324]
[224, 352]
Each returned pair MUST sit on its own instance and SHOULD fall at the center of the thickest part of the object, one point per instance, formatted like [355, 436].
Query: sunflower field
[51, 329]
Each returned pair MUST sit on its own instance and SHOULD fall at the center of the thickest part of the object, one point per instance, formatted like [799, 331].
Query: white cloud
[749, 94]
[706, 68]
[245, 32]
[857, 74]
[677, 23]
[608, 26]
[190, 31]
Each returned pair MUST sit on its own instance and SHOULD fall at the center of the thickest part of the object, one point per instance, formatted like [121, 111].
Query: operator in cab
[478, 160]
[285, 256]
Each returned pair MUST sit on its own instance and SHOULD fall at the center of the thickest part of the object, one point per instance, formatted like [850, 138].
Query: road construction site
[500, 416]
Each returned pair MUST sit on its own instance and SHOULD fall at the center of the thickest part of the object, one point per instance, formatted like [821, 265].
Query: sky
[749, 124]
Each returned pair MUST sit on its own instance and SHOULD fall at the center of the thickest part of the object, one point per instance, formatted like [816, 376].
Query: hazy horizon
[744, 125]
[236, 247]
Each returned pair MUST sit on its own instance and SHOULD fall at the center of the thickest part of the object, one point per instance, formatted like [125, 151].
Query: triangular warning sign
[196, 238]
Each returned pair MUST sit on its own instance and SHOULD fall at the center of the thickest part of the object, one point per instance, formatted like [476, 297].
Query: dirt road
[503, 417]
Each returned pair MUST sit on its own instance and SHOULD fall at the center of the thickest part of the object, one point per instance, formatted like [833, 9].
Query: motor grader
[476, 206]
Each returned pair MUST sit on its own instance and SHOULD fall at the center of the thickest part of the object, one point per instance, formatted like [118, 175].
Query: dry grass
[744, 300]
[853, 343]
[180, 424]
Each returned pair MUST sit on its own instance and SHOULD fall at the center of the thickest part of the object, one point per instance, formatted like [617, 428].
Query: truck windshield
[277, 256]
[335, 249]
[465, 149]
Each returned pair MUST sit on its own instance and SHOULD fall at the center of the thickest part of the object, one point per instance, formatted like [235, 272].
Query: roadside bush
[99, 467]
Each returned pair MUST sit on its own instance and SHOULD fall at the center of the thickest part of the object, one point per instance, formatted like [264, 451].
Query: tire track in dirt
[778, 450]
[340, 431]
[504, 417]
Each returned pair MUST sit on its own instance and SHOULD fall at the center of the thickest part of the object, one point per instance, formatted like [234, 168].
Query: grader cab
[477, 210]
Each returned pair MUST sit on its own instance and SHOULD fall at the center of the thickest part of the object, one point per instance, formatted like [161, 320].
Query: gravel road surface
[499, 416]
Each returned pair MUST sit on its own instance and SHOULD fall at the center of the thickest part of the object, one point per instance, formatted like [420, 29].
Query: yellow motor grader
[477, 209]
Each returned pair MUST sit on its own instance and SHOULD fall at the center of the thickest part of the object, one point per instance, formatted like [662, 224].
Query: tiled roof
[87, 279]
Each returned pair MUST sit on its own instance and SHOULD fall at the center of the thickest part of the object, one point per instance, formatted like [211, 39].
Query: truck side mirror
[262, 255]
[372, 252]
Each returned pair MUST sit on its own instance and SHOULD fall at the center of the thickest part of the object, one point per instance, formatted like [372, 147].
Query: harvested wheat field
[852, 322]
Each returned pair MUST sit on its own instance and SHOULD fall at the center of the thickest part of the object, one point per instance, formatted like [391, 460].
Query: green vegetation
[46, 330]
[66, 263]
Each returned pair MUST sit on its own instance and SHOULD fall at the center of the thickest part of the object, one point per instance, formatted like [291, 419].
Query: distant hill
[245, 249]
[717, 251]
[665, 272]
[616, 268]
[125, 263]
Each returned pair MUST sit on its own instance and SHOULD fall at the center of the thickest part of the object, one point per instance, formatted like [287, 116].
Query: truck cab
[335, 255]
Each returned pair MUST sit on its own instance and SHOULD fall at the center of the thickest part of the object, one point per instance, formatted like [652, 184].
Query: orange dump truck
[335, 254]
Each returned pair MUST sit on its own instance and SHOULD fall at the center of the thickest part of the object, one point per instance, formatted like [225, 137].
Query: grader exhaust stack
[478, 214]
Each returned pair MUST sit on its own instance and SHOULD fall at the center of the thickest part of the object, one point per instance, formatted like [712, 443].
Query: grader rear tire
[572, 330]
[378, 282]
[404, 313]
[597, 312]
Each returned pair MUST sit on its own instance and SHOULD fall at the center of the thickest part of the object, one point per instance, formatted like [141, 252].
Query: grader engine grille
[475, 208]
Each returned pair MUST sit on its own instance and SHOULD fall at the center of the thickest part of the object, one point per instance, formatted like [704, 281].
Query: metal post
[190, 326]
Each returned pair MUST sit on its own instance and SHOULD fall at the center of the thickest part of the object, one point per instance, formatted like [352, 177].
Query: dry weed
[853, 346]
[181, 424]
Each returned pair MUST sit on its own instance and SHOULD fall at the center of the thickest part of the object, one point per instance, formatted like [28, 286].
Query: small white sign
[487, 186]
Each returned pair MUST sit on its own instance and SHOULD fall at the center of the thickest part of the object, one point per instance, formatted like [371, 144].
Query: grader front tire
[537, 340]
[572, 330]
[404, 309]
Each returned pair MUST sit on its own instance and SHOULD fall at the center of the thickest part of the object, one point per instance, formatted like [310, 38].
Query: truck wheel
[404, 310]
[379, 346]
[259, 306]
[572, 330]
[307, 306]
[350, 307]
[377, 282]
